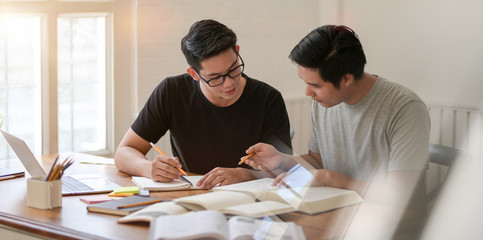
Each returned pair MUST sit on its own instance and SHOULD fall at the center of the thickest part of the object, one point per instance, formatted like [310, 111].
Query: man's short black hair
[205, 39]
[334, 50]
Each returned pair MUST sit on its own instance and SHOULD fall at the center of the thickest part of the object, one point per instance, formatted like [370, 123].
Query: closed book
[111, 207]
[7, 173]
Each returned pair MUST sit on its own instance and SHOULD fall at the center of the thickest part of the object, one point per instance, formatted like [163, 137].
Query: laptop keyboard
[70, 184]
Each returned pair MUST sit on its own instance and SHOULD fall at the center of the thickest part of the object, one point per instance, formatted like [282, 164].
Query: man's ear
[191, 71]
[347, 80]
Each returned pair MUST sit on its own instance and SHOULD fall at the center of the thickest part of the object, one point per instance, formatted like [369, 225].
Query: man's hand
[265, 157]
[165, 169]
[224, 176]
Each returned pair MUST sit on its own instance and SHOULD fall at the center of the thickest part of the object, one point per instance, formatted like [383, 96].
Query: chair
[445, 156]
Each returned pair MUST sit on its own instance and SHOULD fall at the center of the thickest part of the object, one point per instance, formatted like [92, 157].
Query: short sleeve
[409, 138]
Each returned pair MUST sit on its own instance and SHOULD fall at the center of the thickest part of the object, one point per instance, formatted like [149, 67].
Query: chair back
[445, 156]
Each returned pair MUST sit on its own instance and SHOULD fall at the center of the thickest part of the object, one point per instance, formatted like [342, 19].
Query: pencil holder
[44, 194]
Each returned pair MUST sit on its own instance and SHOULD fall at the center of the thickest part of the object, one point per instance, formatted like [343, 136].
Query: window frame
[120, 49]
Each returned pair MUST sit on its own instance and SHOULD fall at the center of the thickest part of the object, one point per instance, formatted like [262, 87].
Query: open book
[147, 214]
[148, 184]
[213, 225]
[258, 198]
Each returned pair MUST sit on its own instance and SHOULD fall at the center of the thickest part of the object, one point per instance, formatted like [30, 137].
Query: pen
[245, 158]
[164, 154]
[138, 204]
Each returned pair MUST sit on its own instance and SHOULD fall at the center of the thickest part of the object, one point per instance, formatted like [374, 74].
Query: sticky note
[134, 190]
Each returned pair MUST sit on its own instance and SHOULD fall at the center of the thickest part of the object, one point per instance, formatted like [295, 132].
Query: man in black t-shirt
[214, 112]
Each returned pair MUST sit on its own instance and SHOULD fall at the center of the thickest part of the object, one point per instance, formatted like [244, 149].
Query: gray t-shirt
[388, 130]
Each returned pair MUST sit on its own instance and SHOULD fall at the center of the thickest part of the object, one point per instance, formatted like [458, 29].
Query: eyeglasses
[235, 72]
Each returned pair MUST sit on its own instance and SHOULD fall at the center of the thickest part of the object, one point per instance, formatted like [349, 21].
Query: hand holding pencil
[179, 169]
[266, 157]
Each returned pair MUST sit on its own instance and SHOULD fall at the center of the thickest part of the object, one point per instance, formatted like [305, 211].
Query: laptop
[71, 184]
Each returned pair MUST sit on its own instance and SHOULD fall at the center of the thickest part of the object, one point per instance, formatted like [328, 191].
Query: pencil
[186, 180]
[245, 158]
[164, 154]
[157, 149]
[49, 176]
[138, 204]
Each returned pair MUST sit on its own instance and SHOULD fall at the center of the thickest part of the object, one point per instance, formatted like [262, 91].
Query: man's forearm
[264, 174]
[307, 158]
[132, 162]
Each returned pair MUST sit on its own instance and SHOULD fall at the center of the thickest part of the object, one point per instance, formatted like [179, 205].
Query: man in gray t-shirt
[386, 131]
[368, 134]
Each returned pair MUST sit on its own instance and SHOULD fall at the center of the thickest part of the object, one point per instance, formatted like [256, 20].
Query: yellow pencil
[55, 172]
[164, 154]
[245, 158]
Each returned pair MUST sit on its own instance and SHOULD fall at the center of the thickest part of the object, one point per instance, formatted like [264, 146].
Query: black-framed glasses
[235, 72]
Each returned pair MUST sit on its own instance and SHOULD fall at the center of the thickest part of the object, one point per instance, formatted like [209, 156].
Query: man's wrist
[287, 163]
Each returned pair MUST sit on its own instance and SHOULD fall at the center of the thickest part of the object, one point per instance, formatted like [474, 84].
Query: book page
[177, 184]
[192, 225]
[149, 213]
[254, 188]
[214, 200]
[332, 198]
[316, 199]
[89, 159]
[248, 228]
[259, 209]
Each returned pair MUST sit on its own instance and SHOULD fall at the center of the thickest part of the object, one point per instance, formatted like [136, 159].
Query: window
[56, 74]
[20, 78]
[81, 83]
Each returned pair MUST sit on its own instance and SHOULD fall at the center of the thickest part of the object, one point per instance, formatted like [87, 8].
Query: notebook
[71, 184]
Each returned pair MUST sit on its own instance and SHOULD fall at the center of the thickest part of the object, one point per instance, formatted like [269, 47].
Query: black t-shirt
[204, 136]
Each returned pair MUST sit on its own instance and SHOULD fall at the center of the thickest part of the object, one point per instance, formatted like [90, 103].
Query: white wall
[267, 31]
[433, 47]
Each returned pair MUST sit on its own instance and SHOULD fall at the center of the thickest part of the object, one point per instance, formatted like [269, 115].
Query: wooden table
[73, 221]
